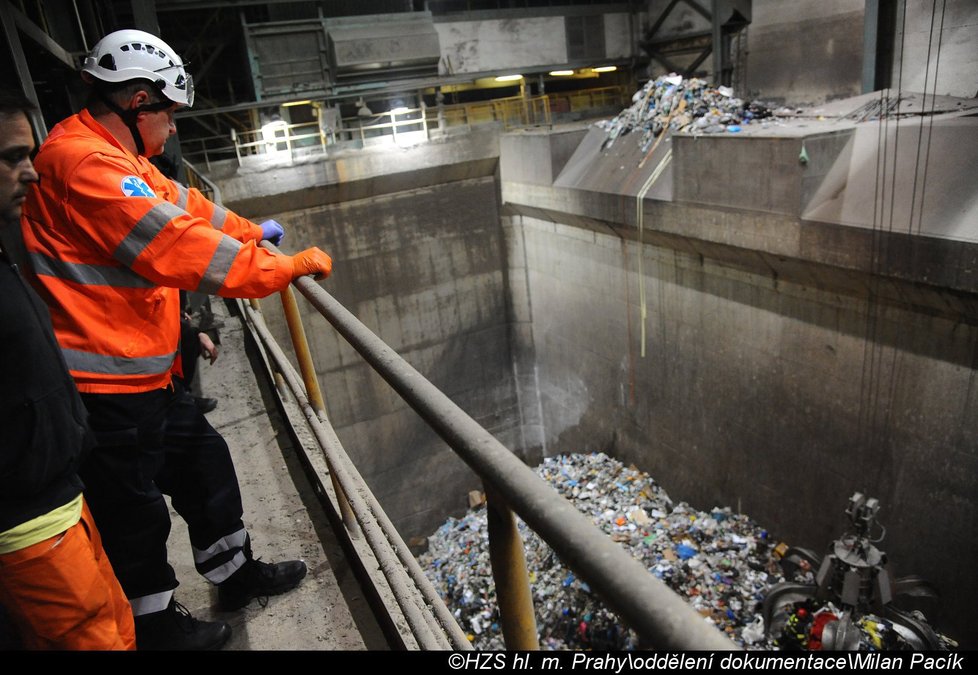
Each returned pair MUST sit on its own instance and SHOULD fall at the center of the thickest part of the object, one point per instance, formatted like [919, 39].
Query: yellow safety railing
[511, 112]
[590, 99]
[196, 179]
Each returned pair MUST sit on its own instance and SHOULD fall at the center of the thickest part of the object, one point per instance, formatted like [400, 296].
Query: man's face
[16, 170]
[155, 128]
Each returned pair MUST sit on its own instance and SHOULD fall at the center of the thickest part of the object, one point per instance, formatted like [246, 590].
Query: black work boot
[257, 579]
[205, 405]
[174, 629]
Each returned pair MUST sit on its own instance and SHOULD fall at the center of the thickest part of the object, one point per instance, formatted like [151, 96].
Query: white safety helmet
[136, 55]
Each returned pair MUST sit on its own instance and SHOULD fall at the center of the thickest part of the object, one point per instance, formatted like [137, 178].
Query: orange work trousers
[61, 593]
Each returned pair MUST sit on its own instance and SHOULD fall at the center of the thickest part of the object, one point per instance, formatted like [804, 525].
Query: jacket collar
[86, 118]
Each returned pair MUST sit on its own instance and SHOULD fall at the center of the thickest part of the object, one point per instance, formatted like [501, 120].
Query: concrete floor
[282, 523]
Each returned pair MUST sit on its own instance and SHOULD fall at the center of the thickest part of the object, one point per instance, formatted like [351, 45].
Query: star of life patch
[134, 186]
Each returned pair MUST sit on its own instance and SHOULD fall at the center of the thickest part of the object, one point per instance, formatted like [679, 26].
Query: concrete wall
[763, 395]
[423, 269]
[952, 26]
[788, 362]
[805, 52]
[266, 185]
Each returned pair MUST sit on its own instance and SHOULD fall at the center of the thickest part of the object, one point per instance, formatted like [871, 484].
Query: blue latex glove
[272, 231]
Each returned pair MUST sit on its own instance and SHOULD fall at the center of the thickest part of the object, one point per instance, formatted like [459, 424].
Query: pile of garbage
[683, 105]
[722, 563]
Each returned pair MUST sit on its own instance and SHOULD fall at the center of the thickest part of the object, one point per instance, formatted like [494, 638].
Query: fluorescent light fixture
[400, 110]
[605, 69]
[561, 73]
[292, 103]
[508, 78]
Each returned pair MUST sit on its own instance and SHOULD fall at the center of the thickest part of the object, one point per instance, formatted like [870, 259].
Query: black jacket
[43, 430]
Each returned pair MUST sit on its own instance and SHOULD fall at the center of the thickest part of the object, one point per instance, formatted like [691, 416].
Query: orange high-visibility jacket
[111, 240]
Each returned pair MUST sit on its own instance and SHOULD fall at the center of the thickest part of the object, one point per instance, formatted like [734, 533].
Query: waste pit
[723, 564]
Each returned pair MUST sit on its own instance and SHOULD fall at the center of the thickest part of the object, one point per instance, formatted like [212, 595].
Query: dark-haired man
[56, 582]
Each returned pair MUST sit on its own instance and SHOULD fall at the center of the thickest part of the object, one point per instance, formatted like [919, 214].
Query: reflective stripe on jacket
[111, 240]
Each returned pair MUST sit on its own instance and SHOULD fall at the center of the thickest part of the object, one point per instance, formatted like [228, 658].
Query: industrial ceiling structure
[247, 55]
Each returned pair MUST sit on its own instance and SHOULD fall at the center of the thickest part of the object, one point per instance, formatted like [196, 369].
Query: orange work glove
[311, 261]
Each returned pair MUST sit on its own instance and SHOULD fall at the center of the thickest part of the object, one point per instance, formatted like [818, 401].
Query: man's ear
[139, 99]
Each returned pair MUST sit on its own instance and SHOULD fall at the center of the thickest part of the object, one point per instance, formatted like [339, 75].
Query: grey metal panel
[288, 58]
[585, 37]
[392, 45]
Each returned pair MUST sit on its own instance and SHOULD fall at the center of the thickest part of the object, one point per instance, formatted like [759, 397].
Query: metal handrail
[352, 127]
[511, 111]
[591, 98]
[268, 140]
[656, 613]
[196, 179]
[207, 148]
[431, 623]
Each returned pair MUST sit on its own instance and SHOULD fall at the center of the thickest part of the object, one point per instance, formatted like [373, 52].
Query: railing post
[237, 150]
[279, 378]
[509, 574]
[313, 392]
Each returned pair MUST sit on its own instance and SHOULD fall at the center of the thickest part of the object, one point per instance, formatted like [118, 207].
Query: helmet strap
[130, 117]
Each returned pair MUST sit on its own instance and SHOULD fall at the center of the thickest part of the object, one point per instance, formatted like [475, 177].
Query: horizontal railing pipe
[393, 556]
[654, 611]
[194, 175]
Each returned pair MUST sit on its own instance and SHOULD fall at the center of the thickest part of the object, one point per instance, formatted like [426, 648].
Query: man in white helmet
[111, 241]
